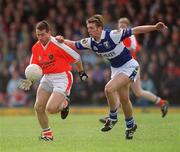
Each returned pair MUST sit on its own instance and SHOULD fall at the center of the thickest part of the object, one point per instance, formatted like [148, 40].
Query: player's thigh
[42, 98]
[55, 101]
[136, 86]
[117, 82]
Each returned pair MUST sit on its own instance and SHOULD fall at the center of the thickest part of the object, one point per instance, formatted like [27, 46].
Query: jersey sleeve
[69, 58]
[134, 45]
[34, 57]
[67, 49]
[119, 35]
[83, 44]
[131, 43]
[71, 52]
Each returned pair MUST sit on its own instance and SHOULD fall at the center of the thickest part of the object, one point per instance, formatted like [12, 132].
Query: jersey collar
[102, 36]
[45, 47]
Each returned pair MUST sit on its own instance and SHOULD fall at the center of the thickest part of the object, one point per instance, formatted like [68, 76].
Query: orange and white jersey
[132, 44]
[55, 57]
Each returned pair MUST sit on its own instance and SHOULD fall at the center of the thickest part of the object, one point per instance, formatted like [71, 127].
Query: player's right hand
[60, 38]
[160, 26]
[83, 76]
[25, 84]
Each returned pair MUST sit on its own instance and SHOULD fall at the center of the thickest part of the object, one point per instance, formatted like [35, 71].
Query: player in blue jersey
[124, 68]
[133, 46]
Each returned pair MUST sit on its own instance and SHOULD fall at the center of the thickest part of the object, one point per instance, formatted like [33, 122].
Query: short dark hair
[43, 25]
[97, 19]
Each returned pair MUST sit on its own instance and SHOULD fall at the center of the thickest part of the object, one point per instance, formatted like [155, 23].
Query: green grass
[81, 133]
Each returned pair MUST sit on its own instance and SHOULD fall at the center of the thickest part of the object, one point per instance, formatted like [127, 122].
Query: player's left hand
[160, 26]
[25, 84]
[60, 38]
[83, 76]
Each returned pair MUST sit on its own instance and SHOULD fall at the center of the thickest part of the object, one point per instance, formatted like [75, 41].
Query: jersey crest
[51, 56]
[106, 44]
[95, 48]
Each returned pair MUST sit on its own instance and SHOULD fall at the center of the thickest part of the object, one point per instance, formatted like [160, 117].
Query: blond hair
[97, 19]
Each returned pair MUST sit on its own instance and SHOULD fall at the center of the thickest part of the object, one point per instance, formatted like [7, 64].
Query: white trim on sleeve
[66, 48]
[133, 43]
[116, 36]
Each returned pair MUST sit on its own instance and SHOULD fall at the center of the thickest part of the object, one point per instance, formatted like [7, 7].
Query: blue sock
[113, 115]
[129, 122]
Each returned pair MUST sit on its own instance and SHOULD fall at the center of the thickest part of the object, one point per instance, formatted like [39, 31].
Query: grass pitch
[81, 133]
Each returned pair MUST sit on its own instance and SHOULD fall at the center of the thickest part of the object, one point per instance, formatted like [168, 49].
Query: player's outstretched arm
[69, 43]
[148, 28]
[79, 66]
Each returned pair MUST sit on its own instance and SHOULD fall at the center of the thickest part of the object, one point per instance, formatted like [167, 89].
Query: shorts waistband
[55, 74]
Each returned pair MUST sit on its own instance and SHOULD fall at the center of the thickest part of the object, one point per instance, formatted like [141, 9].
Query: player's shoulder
[53, 40]
[56, 43]
[36, 45]
[116, 32]
[115, 35]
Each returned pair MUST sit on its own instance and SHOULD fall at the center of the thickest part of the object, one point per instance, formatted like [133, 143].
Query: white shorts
[58, 82]
[131, 69]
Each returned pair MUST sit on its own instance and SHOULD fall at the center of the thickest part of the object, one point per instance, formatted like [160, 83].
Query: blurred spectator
[16, 97]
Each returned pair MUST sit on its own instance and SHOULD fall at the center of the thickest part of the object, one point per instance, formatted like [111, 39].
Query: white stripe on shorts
[58, 82]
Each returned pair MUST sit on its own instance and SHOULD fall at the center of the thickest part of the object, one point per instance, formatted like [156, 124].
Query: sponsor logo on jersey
[107, 55]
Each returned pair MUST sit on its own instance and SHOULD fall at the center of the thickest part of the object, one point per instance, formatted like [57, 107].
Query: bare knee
[51, 109]
[108, 89]
[39, 107]
[138, 93]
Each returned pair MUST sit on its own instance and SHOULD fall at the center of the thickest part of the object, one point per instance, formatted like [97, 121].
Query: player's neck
[44, 43]
[97, 37]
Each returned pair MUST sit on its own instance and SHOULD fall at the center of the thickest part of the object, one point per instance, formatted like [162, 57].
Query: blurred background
[159, 56]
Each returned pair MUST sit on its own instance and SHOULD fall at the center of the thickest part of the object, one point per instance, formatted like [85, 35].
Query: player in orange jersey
[132, 44]
[54, 58]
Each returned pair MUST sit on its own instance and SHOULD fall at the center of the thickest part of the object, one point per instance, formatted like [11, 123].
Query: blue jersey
[109, 46]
